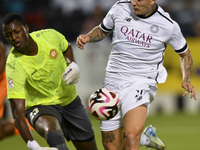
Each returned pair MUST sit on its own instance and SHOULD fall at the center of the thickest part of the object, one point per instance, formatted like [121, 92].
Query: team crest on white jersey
[10, 83]
[53, 53]
[154, 29]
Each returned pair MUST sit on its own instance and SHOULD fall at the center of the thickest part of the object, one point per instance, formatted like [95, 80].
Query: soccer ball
[103, 104]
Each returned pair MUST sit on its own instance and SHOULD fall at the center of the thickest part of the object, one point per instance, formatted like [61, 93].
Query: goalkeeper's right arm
[71, 74]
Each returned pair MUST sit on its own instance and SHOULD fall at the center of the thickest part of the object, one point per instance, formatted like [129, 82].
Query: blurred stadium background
[176, 118]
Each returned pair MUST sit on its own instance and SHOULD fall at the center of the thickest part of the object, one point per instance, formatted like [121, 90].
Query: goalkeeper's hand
[33, 145]
[71, 75]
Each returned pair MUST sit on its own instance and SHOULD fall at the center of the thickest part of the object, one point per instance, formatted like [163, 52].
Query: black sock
[56, 139]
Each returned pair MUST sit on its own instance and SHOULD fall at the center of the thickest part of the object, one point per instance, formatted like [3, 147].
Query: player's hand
[33, 145]
[71, 75]
[82, 40]
[189, 89]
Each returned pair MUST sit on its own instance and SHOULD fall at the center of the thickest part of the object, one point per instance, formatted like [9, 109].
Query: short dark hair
[11, 17]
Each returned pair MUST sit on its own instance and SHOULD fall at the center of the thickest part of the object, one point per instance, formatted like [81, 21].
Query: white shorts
[131, 94]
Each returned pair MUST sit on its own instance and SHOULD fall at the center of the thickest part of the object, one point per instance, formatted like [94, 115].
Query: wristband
[74, 65]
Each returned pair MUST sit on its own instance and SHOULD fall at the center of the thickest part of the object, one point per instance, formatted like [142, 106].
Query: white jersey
[139, 43]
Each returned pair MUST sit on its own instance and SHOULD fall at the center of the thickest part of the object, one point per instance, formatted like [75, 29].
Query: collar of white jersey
[143, 17]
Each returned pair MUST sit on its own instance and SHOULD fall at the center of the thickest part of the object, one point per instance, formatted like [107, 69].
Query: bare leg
[134, 122]
[6, 129]
[113, 140]
[49, 128]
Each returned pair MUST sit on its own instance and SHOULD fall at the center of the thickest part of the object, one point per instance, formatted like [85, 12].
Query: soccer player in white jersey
[141, 31]
[41, 76]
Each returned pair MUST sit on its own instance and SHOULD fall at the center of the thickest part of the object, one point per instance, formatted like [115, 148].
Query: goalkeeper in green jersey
[41, 76]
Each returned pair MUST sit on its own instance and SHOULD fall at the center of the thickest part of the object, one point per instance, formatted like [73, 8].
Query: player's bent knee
[132, 140]
[56, 139]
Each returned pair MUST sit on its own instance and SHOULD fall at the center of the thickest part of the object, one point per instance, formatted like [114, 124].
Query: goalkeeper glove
[33, 145]
[71, 75]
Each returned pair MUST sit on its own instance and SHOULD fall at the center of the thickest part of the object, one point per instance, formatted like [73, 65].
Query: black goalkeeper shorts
[73, 119]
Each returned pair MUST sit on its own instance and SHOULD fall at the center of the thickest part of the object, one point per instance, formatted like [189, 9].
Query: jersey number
[33, 113]
[139, 94]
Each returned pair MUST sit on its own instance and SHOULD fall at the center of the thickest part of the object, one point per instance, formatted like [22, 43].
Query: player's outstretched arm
[18, 111]
[186, 67]
[95, 35]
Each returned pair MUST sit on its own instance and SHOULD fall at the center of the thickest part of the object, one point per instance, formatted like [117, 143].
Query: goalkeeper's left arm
[72, 74]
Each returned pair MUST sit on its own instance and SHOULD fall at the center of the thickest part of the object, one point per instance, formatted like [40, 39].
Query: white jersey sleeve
[177, 41]
[107, 25]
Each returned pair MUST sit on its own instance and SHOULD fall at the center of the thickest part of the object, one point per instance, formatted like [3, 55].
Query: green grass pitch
[180, 131]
